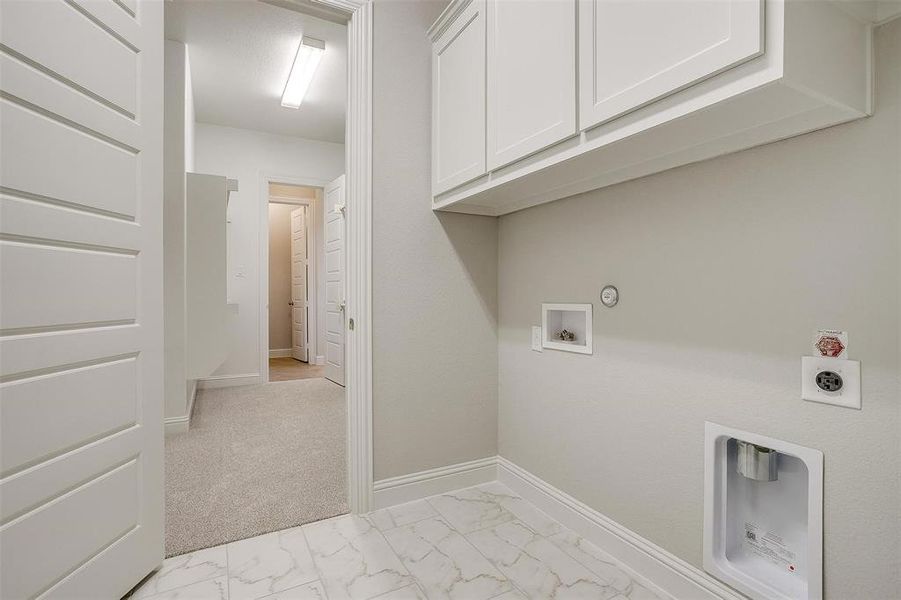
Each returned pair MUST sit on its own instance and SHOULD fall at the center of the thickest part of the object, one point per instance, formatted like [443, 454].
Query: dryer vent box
[763, 515]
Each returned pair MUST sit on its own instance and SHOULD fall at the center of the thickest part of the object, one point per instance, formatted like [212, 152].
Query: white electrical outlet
[830, 381]
[536, 338]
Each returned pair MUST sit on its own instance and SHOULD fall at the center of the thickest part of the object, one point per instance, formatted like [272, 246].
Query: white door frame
[358, 243]
[314, 256]
[263, 292]
[358, 249]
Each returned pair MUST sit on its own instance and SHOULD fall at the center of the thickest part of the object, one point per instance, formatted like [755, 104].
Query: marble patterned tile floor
[479, 543]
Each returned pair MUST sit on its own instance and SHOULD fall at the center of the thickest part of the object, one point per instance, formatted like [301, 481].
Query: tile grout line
[415, 584]
[159, 592]
[515, 518]
[228, 576]
[439, 515]
[394, 552]
[492, 563]
[550, 540]
[175, 589]
[615, 565]
[413, 581]
[474, 547]
[556, 540]
[416, 580]
[633, 577]
[316, 568]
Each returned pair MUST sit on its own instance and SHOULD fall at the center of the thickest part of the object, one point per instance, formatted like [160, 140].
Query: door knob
[291, 303]
[342, 305]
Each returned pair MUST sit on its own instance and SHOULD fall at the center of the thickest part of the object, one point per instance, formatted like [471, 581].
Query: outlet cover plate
[536, 338]
[848, 396]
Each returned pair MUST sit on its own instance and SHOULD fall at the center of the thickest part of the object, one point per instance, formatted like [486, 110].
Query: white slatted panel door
[81, 424]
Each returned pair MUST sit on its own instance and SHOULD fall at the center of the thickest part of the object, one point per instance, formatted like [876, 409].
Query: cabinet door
[632, 53]
[531, 76]
[458, 100]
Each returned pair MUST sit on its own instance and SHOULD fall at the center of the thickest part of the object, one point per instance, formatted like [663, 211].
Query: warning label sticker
[831, 343]
[769, 545]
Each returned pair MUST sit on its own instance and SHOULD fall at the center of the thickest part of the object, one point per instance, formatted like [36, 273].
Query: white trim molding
[406, 488]
[662, 568]
[637, 554]
[192, 397]
[358, 272]
[318, 313]
[223, 381]
[183, 423]
[280, 353]
[176, 424]
[358, 281]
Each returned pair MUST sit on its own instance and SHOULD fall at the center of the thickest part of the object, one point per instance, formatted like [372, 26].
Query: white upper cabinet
[582, 94]
[633, 53]
[531, 77]
[458, 99]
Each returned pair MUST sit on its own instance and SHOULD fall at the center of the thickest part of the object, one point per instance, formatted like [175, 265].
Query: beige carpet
[256, 459]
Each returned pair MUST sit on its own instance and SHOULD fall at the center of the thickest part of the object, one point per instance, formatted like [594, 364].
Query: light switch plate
[536, 338]
[849, 371]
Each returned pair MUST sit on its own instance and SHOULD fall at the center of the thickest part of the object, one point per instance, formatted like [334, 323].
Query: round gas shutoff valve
[829, 381]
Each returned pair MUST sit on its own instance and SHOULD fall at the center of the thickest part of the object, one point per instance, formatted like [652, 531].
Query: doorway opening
[303, 328]
[271, 421]
[296, 288]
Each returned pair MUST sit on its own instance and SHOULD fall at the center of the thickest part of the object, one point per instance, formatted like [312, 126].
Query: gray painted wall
[434, 276]
[725, 269]
[178, 145]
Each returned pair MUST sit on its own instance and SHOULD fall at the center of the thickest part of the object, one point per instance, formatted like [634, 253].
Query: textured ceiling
[241, 52]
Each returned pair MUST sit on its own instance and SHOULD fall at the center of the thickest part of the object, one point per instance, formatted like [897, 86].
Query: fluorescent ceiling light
[309, 53]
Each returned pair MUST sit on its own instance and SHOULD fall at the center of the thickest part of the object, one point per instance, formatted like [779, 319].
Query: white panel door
[632, 53]
[81, 399]
[334, 281]
[531, 77]
[299, 278]
[458, 100]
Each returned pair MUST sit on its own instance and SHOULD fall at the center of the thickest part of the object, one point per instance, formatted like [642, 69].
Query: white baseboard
[320, 360]
[406, 488]
[183, 423]
[192, 396]
[667, 571]
[221, 381]
[176, 424]
[663, 569]
[280, 353]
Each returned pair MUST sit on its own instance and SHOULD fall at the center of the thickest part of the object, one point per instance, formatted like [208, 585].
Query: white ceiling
[241, 53]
